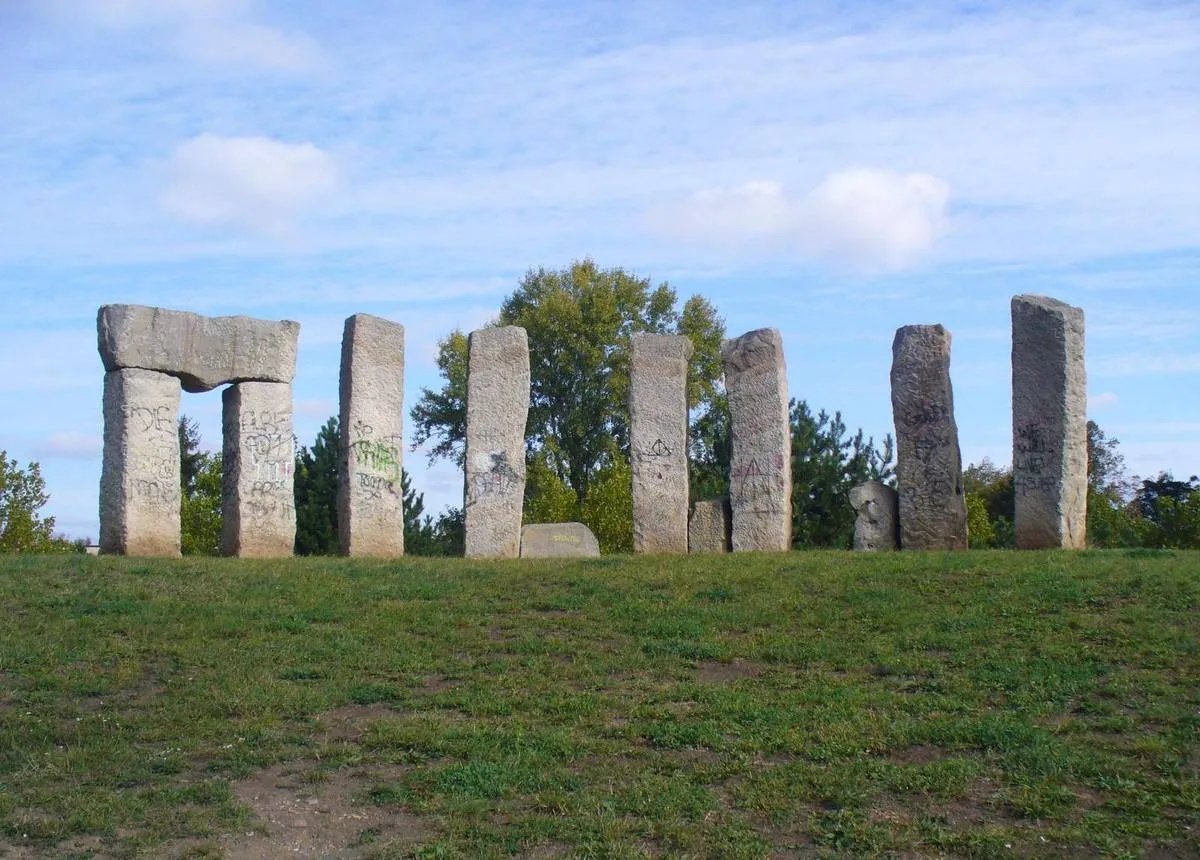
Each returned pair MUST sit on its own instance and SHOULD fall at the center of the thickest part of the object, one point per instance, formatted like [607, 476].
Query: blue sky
[835, 170]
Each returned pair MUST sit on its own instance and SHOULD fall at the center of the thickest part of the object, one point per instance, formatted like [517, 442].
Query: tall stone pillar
[933, 510]
[760, 466]
[658, 420]
[371, 416]
[1049, 388]
[139, 481]
[258, 506]
[497, 409]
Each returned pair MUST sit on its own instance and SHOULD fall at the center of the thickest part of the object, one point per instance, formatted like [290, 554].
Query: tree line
[580, 321]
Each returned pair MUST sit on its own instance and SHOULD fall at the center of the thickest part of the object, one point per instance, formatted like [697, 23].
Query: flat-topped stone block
[558, 540]
[371, 424]
[658, 423]
[139, 479]
[709, 526]
[203, 352]
[933, 511]
[1049, 390]
[497, 408]
[760, 465]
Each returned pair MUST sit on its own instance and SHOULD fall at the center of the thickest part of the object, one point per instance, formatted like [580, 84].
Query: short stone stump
[558, 540]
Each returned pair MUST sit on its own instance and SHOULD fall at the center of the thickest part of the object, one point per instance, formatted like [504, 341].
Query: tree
[200, 508]
[579, 321]
[316, 501]
[22, 496]
[826, 464]
[315, 485]
[990, 503]
[191, 458]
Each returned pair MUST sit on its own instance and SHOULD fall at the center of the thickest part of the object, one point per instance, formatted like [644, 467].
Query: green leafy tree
[827, 463]
[990, 501]
[200, 508]
[579, 321]
[1113, 516]
[22, 496]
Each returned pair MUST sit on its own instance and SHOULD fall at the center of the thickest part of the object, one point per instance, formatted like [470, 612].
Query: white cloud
[211, 31]
[252, 182]
[863, 218]
[71, 445]
[1103, 400]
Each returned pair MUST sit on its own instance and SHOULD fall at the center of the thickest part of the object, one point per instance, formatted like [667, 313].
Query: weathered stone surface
[933, 512]
[370, 498]
[1049, 387]
[708, 528]
[877, 525]
[203, 352]
[658, 419]
[258, 506]
[497, 408]
[139, 480]
[760, 467]
[558, 540]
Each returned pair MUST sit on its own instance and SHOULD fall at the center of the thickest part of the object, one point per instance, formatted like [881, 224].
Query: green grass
[968, 704]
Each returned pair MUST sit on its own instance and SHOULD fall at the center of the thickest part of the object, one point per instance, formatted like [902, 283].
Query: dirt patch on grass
[350, 721]
[917, 754]
[712, 672]
[296, 817]
[436, 684]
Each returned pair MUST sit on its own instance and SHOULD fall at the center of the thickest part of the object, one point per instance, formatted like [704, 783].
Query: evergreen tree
[826, 464]
[315, 483]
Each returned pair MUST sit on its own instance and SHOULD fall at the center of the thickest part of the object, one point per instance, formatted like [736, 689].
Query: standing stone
[139, 481]
[497, 408]
[558, 540]
[877, 526]
[1049, 387]
[658, 419]
[933, 510]
[760, 466]
[258, 506]
[370, 421]
[708, 528]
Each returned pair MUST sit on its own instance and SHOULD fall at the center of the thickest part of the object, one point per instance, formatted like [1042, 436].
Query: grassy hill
[975, 704]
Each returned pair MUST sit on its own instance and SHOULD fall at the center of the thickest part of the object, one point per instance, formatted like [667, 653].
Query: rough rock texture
[370, 498]
[1049, 387]
[258, 506]
[708, 528]
[555, 540]
[760, 467]
[139, 480]
[497, 408]
[933, 511]
[658, 419]
[203, 352]
[877, 526]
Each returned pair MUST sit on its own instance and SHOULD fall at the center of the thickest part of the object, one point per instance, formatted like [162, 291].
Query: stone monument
[558, 540]
[258, 504]
[370, 422]
[933, 512]
[497, 408]
[658, 422]
[877, 524]
[148, 355]
[1049, 390]
[139, 479]
[760, 467]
